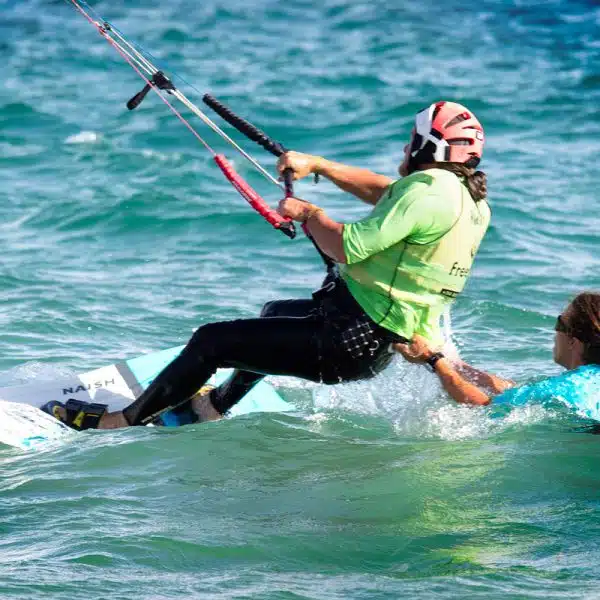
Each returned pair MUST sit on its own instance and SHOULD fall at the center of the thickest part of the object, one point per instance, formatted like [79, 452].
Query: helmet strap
[423, 156]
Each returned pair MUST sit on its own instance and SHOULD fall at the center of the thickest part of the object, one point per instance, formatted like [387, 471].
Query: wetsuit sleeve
[405, 211]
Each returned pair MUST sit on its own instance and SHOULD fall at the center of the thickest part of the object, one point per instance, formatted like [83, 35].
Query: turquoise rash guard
[578, 389]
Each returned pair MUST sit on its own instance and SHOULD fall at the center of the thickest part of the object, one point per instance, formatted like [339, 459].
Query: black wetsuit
[327, 338]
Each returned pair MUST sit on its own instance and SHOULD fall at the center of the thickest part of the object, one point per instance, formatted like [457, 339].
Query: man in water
[400, 267]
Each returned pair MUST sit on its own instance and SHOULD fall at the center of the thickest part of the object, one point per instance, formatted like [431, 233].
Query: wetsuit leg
[241, 382]
[288, 308]
[275, 345]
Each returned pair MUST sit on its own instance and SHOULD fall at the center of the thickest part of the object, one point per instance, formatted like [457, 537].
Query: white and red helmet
[446, 132]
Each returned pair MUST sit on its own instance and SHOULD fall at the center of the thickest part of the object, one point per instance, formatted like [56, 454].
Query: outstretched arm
[462, 381]
[491, 382]
[458, 387]
[362, 183]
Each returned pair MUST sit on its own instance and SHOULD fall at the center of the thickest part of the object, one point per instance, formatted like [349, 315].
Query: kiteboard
[117, 385]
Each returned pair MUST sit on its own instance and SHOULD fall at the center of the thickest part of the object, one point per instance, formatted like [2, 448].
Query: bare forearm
[362, 183]
[492, 382]
[328, 234]
[455, 380]
[461, 390]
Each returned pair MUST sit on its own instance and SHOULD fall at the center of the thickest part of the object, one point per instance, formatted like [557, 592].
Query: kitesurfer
[399, 269]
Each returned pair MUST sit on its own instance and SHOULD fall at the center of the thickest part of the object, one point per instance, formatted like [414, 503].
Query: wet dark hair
[476, 181]
[584, 324]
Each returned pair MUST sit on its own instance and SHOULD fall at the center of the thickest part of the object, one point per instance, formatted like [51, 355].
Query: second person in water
[399, 268]
[576, 348]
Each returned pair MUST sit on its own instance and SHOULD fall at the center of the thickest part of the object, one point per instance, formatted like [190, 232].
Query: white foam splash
[34, 371]
[413, 400]
[83, 137]
[161, 156]
[452, 422]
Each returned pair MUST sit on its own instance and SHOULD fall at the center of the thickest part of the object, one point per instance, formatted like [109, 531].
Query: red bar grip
[253, 198]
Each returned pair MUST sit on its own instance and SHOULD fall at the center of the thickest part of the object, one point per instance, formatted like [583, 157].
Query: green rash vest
[409, 259]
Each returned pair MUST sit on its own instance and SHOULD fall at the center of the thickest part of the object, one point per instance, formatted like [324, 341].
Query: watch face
[432, 360]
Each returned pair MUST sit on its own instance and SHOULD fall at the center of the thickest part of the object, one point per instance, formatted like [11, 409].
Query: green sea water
[119, 236]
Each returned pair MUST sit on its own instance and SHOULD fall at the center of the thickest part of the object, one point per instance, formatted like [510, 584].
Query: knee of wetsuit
[269, 309]
[203, 342]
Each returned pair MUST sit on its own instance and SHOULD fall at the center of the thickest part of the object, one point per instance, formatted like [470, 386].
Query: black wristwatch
[432, 360]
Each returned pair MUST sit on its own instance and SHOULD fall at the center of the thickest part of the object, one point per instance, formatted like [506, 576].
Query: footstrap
[83, 415]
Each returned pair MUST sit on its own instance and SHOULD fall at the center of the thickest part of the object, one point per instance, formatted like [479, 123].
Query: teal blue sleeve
[562, 387]
[578, 389]
[525, 393]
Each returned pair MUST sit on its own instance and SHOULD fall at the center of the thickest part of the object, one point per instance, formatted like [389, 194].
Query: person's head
[577, 339]
[447, 135]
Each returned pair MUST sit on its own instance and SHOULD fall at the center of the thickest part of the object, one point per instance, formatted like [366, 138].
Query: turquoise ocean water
[119, 237]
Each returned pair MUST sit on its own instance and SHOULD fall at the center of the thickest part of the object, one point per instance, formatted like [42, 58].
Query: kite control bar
[243, 126]
[252, 133]
[275, 148]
